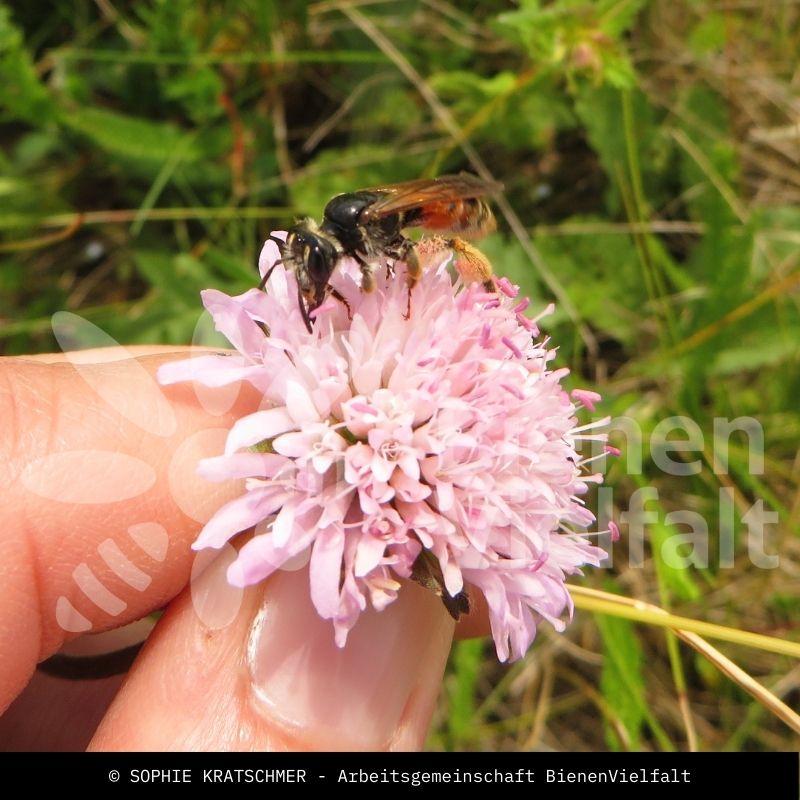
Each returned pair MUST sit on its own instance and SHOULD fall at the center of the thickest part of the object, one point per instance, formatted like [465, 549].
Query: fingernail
[356, 697]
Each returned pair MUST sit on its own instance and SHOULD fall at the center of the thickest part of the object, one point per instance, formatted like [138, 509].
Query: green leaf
[600, 110]
[241, 274]
[777, 227]
[466, 660]
[21, 92]
[527, 116]
[618, 16]
[710, 133]
[460, 83]
[197, 90]
[709, 35]
[603, 277]
[763, 348]
[679, 580]
[622, 681]
[131, 137]
[580, 40]
[179, 278]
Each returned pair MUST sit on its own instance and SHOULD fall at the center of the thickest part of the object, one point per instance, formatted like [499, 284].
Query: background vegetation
[650, 153]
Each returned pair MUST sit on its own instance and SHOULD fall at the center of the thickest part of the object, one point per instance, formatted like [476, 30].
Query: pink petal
[382, 469]
[453, 579]
[367, 377]
[445, 497]
[241, 465]
[259, 558]
[258, 427]
[409, 489]
[294, 444]
[238, 515]
[586, 397]
[409, 463]
[234, 322]
[325, 570]
[299, 404]
[368, 555]
[209, 370]
[334, 509]
[283, 527]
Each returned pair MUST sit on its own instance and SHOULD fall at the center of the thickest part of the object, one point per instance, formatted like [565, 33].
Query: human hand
[101, 502]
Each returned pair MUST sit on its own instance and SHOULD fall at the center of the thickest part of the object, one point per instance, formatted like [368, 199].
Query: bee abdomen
[470, 217]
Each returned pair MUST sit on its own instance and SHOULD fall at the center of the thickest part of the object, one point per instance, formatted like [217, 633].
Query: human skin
[222, 670]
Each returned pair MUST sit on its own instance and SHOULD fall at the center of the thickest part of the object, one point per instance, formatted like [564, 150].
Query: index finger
[101, 499]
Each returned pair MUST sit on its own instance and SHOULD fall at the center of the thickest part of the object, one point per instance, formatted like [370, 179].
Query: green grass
[652, 190]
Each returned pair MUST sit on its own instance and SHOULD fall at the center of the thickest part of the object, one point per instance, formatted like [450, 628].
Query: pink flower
[439, 447]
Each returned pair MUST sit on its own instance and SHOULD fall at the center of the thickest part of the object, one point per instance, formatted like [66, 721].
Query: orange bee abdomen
[468, 217]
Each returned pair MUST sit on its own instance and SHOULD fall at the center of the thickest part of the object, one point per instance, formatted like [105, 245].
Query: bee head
[312, 256]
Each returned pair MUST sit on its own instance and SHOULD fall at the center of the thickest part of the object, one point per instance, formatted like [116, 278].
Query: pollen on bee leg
[472, 265]
[367, 277]
[413, 266]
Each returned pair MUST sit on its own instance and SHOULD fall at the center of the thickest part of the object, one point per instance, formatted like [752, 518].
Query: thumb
[273, 678]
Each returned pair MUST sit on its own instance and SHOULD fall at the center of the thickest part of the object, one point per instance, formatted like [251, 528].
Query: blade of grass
[782, 287]
[159, 183]
[688, 629]
[123, 215]
[206, 59]
[637, 213]
[716, 179]
[765, 697]
[639, 611]
[676, 666]
[44, 241]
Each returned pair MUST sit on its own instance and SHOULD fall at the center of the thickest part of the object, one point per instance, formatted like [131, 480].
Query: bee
[368, 226]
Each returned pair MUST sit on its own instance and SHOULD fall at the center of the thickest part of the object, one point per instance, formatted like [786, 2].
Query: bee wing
[400, 197]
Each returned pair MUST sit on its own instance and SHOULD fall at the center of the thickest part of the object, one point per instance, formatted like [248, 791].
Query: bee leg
[367, 276]
[343, 300]
[263, 282]
[408, 254]
[281, 246]
[471, 264]
[301, 301]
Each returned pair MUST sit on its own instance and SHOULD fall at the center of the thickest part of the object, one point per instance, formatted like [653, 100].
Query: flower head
[438, 447]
